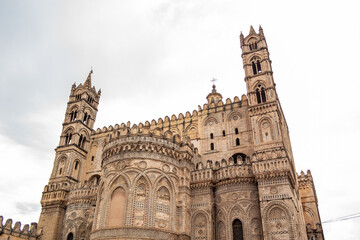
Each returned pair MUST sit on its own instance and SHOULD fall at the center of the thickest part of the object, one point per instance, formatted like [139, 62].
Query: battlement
[16, 232]
[221, 170]
[174, 120]
[305, 180]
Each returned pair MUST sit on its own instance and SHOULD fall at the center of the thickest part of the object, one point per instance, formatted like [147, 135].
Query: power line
[348, 217]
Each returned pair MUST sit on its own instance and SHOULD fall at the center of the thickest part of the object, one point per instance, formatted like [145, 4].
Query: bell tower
[70, 155]
[272, 160]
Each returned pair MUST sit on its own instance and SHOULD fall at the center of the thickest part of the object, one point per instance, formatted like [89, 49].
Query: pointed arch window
[260, 94]
[70, 236]
[211, 136]
[73, 116]
[76, 165]
[82, 141]
[68, 138]
[237, 230]
[237, 142]
[256, 67]
[236, 131]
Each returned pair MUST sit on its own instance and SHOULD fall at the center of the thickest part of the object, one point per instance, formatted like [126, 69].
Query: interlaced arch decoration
[210, 119]
[141, 202]
[278, 220]
[200, 225]
[266, 129]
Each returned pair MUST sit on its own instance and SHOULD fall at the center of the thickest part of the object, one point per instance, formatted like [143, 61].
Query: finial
[213, 86]
[241, 39]
[261, 32]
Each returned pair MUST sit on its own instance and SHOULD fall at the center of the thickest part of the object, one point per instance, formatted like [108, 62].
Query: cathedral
[223, 171]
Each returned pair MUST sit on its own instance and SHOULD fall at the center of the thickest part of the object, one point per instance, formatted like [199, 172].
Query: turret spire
[252, 31]
[88, 79]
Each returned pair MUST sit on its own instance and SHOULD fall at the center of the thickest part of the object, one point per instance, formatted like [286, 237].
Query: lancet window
[260, 94]
[256, 66]
[237, 230]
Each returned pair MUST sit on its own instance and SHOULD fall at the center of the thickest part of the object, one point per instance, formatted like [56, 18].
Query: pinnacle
[252, 31]
[88, 80]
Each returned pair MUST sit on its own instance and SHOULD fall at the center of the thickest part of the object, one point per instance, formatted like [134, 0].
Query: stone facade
[224, 171]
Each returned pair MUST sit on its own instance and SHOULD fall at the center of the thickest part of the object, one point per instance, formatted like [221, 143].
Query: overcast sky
[156, 58]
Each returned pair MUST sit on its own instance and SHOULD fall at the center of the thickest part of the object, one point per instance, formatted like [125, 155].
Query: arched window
[73, 116]
[237, 142]
[211, 136]
[82, 141]
[224, 133]
[263, 95]
[254, 68]
[258, 66]
[260, 94]
[76, 165]
[85, 118]
[236, 131]
[68, 138]
[70, 236]
[237, 230]
[60, 171]
[211, 146]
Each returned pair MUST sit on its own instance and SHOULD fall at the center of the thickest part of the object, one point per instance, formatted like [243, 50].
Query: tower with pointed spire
[70, 156]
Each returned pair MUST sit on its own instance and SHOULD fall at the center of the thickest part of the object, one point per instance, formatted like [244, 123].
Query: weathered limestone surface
[224, 171]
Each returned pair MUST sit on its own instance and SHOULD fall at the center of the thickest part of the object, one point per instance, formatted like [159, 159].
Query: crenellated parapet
[305, 180]
[222, 172]
[16, 232]
[163, 124]
[55, 194]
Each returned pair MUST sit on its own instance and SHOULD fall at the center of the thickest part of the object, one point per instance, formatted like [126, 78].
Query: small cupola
[214, 96]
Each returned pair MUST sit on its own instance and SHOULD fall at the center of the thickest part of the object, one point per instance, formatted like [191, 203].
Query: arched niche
[117, 210]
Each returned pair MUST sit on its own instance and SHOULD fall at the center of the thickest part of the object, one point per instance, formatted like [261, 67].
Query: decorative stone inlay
[166, 168]
[273, 190]
[142, 164]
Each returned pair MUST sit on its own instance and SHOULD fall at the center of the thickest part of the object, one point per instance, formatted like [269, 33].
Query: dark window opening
[211, 136]
[239, 157]
[70, 236]
[237, 230]
[224, 133]
[68, 139]
[92, 158]
[60, 171]
[258, 97]
[237, 142]
[255, 45]
[76, 165]
[85, 118]
[263, 95]
[254, 68]
[212, 146]
[73, 116]
[236, 131]
[88, 120]
[258, 66]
